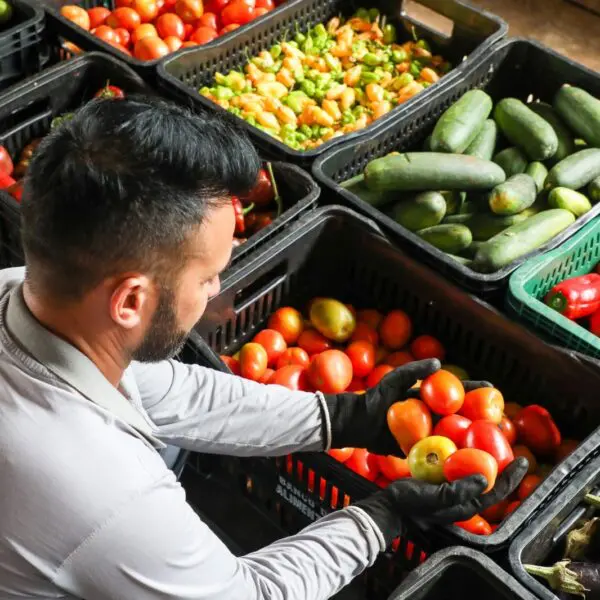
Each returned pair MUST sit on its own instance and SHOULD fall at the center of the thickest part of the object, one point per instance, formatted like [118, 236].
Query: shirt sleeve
[207, 411]
[156, 547]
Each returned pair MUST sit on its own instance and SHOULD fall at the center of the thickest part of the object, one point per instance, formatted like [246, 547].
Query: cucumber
[461, 259]
[471, 251]
[461, 123]
[522, 238]
[484, 144]
[452, 239]
[538, 171]
[512, 161]
[580, 111]
[357, 186]
[424, 210]
[561, 197]
[566, 144]
[576, 170]
[420, 171]
[454, 201]
[594, 190]
[485, 226]
[526, 129]
[427, 144]
[513, 196]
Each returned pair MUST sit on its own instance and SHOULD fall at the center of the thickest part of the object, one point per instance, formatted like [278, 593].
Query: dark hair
[119, 186]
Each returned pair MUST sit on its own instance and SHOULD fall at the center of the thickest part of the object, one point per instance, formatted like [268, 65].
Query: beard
[164, 338]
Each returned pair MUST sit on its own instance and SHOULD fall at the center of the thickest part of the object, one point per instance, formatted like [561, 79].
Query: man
[127, 223]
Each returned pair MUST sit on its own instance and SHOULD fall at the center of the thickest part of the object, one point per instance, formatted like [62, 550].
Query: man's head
[127, 213]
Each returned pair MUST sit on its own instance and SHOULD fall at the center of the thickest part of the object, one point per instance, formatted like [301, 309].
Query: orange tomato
[76, 15]
[259, 12]
[507, 427]
[359, 463]
[526, 452]
[272, 341]
[377, 374]
[511, 409]
[409, 421]
[369, 317]
[189, 10]
[229, 28]
[443, 393]
[203, 35]
[341, 454]
[143, 31]
[293, 377]
[120, 48]
[147, 9]
[173, 43]
[529, 483]
[209, 19]
[426, 346]
[293, 356]
[365, 332]
[188, 44]
[169, 25]
[398, 359]
[106, 34]
[476, 524]
[393, 467]
[330, 372]
[566, 447]
[289, 322]
[253, 361]
[313, 342]
[124, 17]
[395, 330]
[483, 404]
[124, 36]
[496, 512]
[362, 356]
[470, 461]
[150, 48]
[232, 363]
[98, 16]
[266, 378]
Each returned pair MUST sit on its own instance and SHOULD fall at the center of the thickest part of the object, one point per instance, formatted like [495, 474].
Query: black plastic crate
[543, 541]
[459, 572]
[518, 68]
[26, 112]
[473, 33]
[22, 51]
[335, 252]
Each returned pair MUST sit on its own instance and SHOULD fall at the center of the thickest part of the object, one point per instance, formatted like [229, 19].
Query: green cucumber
[513, 196]
[452, 239]
[484, 144]
[526, 129]
[424, 210]
[454, 201]
[561, 197]
[420, 171]
[485, 226]
[471, 251]
[576, 170]
[580, 111]
[566, 143]
[594, 190]
[357, 186]
[522, 238]
[467, 262]
[538, 171]
[512, 161]
[460, 124]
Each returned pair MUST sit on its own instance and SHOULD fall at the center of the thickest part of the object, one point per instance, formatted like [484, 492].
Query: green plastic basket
[533, 280]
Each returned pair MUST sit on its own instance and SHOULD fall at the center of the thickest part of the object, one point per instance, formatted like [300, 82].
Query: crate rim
[36, 19]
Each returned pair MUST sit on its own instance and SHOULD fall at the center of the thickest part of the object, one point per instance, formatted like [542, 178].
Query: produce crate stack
[513, 73]
[269, 43]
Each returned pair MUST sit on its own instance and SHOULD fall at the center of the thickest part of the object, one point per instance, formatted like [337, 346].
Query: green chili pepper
[299, 38]
[300, 137]
[320, 94]
[371, 60]
[358, 111]
[306, 130]
[319, 31]
[363, 13]
[288, 129]
[415, 68]
[308, 87]
[275, 51]
[312, 74]
[388, 67]
[366, 78]
[373, 13]
[220, 78]
[274, 68]
[423, 44]
[389, 34]
[294, 44]
[251, 120]
[325, 131]
[425, 84]
[235, 111]
[315, 131]
[295, 103]
[322, 78]
[399, 56]
[223, 93]
[360, 95]
[332, 62]
[402, 81]
[204, 91]
[308, 45]
[348, 117]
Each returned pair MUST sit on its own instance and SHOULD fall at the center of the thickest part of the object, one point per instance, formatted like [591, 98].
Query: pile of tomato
[151, 29]
[446, 434]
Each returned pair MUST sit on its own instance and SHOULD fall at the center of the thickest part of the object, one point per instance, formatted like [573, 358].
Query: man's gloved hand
[445, 503]
[360, 420]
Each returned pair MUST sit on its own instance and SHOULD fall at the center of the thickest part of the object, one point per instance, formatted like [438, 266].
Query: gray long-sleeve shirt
[88, 508]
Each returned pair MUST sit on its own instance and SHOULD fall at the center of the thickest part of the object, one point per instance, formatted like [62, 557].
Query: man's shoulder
[10, 278]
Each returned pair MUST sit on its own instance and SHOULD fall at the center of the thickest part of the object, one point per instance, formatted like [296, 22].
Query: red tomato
[272, 341]
[76, 15]
[395, 330]
[393, 467]
[426, 346]
[123, 3]
[526, 452]
[477, 525]
[370, 317]
[509, 430]
[268, 4]
[486, 436]
[362, 356]
[359, 462]
[189, 10]
[209, 19]
[147, 9]
[6, 163]
[341, 454]
[512, 507]
[124, 17]
[293, 356]
[169, 25]
[529, 483]
[266, 378]
[377, 374]
[215, 6]
[110, 91]
[357, 385]
[253, 361]
[313, 342]
[443, 392]
[97, 16]
[144, 31]
[259, 12]
[382, 482]
[173, 43]
[289, 322]
[330, 372]
[399, 359]
[123, 35]
[484, 404]
[229, 29]
[470, 461]
[365, 332]
[511, 409]
[189, 44]
[409, 422]
[293, 377]
[120, 48]
[237, 13]
[107, 34]
[453, 427]
[566, 446]
[537, 430]
[496, 512]
[203, 35]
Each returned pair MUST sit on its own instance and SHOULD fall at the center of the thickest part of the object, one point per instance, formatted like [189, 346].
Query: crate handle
[25, 117]
[272, 279]
[415, 11]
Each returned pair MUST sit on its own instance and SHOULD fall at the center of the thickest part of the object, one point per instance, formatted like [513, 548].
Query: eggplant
[576, 578]
[584, 543]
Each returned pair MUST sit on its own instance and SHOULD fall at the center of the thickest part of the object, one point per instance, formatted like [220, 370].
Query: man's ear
[130, 299]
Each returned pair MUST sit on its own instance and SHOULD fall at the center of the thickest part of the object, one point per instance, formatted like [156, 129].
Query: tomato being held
[266, 377]
[293, 377]
[341, 454]
[496, 512]
[365, 332]
[272, 341]
[426, 346]
[394, 467]
[443, 392]
[509, 430]
[485, 404]
[6, 163]
[253, 361]
[476, 524]
[399, 359]
[427, 457]
[362, 356]
[98, 16]
[511, 409]
[313, 342]
[528, 454]
[76, 15]
[359, 463]
[203, 35]
[395, 329]
[189, 10]
[486, 436]
[453, 427]
[289, 322]
[330, 372]
[169, 25]
[537, 430]
[409, 421]
[470, 461]
[293, 356]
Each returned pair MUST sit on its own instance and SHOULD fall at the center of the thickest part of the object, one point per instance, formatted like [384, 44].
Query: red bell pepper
[240, 214]
[577, 297]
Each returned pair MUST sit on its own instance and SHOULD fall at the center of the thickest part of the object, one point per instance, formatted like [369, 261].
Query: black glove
[360, 420]
[445, 503]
